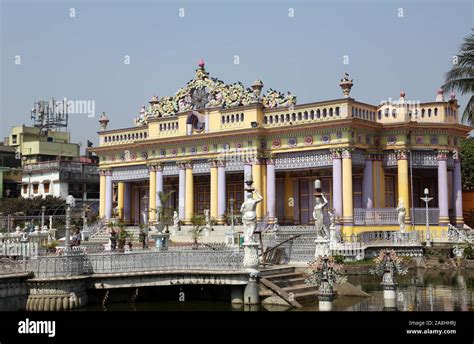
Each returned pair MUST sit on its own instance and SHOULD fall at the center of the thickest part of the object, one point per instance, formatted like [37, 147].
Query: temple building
[202, 141]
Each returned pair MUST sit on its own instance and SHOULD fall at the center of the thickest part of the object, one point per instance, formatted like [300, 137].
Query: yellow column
[102, 194]
[289, 201]
[347, 200]
[152, 194]
[189, 209]
[120, 199]
[264, 188]
[257, 183]
[403, 182]
[214, 190]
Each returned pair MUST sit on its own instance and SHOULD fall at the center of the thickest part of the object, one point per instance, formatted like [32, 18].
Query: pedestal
[161, 240]
[389, 304]
[251, 260]
[325, 296]
[389, 286]
[322, 248]
[251, 296]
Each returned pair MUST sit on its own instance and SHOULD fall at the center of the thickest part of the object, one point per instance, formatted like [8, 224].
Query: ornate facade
[201, 142]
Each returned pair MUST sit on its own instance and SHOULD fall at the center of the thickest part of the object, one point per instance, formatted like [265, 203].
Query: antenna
[50, 115]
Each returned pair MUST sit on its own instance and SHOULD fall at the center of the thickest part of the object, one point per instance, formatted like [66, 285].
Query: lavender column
[127, 202]
[443, 188]
[159, 184]
[337, 182]
[108, 195]
[221, 198]
[247, 170]
[182, 191]
[271, 190]
[457, 190]
[367, 186]
[136, 206]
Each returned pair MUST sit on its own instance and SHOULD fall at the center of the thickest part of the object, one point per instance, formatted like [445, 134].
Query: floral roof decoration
[205, 91]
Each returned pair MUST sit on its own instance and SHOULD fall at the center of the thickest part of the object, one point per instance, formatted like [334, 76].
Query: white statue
[249, 215]
[401, 215]
[333, 232]
[207, 218]
[321, 202]
[175, 219]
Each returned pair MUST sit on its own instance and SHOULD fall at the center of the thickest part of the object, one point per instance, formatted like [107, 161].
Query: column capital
[188, 165]
[213, 163]
[105, 172]
[270, 159]
[442, 155]
[152, 167]
[347, 152]
[336, 153]
[159, 167]
[257, 160]
[402, 154]
[181, 165]
[220, 162]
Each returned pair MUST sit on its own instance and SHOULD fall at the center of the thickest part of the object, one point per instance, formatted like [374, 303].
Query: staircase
[287, 283]
[103, 235]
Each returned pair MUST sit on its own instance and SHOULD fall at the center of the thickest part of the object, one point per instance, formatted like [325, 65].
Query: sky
[79, 49]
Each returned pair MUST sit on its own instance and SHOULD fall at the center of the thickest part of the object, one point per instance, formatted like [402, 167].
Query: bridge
[62, 282]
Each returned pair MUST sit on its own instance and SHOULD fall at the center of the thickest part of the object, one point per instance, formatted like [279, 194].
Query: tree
[461, 75]
[467, 158]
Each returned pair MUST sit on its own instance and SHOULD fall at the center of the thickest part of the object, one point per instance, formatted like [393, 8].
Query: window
[46, 187]
[389, 191]
[50, 139]
[25, 189]
[357, 191]
[35, 188]
[14, 138]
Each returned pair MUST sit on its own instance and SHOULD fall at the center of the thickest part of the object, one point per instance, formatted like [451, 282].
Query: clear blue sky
[82, 57]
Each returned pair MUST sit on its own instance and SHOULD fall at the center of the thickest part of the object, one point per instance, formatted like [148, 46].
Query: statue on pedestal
[334, 235]
[401, 215]
[175, 221]
[321, 202]
[249, 214]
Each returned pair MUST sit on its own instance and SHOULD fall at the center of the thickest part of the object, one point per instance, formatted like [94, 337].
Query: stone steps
[291, 282]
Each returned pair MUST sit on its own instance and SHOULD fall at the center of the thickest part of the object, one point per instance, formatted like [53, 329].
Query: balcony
[389, 216]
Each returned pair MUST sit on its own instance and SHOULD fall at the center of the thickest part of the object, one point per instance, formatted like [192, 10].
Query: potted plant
[163, 217]
[122, 235]
[51, 246]
[199, 225]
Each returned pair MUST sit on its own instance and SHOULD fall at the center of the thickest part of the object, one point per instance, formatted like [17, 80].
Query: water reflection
[421, 291]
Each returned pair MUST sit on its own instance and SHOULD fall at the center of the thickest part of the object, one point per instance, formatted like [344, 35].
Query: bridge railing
[78, 263]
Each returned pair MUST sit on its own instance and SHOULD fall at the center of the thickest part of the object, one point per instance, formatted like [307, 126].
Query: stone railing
[394, 238]
[120, 137]
[78, 263]
[420, 216]
[304, 114]
[375, 216]
[389, 216]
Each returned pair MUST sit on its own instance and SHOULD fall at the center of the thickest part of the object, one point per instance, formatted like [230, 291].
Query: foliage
[339, 259]
[31, 206]
[467, 158]
[388, 260]
[325, 267]
[461, 75]
[199, 225]
[163, 212]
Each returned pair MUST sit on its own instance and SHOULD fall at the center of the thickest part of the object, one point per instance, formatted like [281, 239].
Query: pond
[423, 290]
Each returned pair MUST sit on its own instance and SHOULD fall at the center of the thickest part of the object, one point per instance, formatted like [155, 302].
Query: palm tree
[461, 76]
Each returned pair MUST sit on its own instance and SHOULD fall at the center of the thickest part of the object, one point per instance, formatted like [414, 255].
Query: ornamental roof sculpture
[207, 92]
